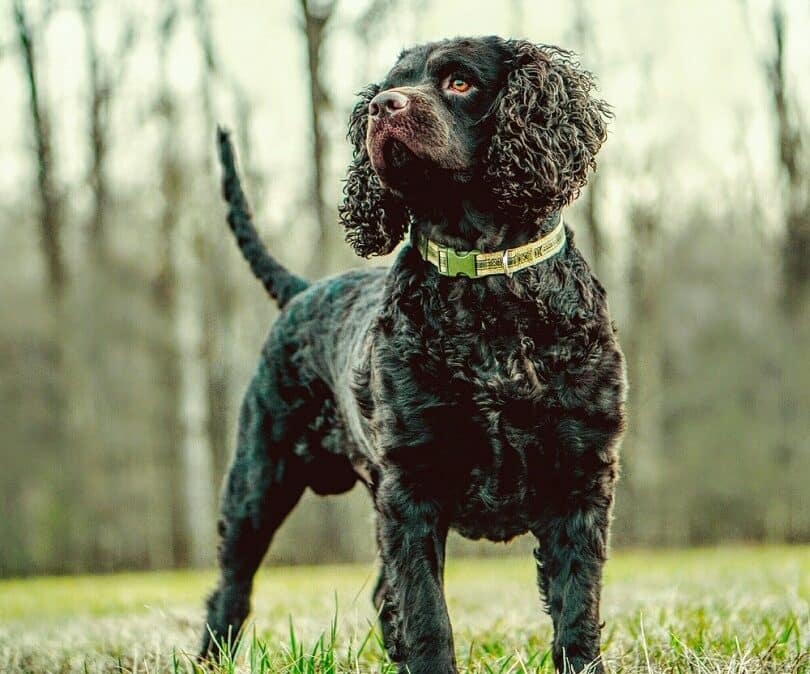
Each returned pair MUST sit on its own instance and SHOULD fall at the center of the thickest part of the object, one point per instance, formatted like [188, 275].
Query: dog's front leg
[570, 557]
[412, 538]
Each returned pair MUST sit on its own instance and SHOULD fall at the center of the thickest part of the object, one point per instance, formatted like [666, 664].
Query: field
[715, 610]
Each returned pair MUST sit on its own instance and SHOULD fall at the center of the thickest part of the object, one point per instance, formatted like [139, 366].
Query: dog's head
[505, 123]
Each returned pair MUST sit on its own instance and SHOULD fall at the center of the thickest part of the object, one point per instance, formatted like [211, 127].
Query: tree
[50, 217]
[585, 37]
[316, 17]
[218, 299]
[103, 75]
[179, 355]
[791, 139]
[643, 345]
[50, 220]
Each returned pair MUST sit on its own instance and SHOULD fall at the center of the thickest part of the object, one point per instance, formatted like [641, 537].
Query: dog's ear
[375, 219]
[548, 128]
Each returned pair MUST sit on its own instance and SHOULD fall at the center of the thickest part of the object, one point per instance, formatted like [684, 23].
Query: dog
[477, 384]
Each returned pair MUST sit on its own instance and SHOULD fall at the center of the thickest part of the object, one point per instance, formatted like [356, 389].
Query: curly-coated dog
[476, 384]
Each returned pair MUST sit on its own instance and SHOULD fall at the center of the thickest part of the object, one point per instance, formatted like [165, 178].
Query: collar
[475, 264]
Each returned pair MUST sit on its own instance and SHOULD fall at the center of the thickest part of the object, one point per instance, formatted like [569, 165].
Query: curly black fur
[549, 129]
[491, 406]
[375, 219]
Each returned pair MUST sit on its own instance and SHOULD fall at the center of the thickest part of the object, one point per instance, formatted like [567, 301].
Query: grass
[707, 611]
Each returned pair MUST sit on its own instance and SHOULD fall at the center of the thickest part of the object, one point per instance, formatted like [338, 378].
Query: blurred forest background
[130, 326]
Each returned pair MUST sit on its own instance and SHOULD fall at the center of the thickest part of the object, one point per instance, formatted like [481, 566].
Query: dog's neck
[471, 227]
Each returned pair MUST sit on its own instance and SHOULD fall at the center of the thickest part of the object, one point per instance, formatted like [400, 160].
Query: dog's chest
[507, 455]
[519, 392]
[499, 499]
[509, 384]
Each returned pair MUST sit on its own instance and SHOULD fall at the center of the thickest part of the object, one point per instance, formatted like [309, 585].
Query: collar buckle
[459, 262]
[505, 262]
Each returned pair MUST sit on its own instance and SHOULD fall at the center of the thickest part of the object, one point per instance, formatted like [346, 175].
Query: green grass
[717, 610]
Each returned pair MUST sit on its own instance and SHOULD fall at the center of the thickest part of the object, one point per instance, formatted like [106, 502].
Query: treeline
[130, 326]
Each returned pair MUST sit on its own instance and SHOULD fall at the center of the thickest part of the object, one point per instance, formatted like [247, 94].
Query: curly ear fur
[548, 129]
[375, 219]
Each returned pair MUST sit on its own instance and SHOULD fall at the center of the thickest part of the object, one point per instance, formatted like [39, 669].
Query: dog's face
[506, 125]
[427, 121]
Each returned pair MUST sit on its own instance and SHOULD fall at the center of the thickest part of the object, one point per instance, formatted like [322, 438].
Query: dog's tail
[281, 283]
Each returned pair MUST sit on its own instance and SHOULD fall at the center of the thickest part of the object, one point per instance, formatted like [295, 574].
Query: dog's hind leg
[264, 483]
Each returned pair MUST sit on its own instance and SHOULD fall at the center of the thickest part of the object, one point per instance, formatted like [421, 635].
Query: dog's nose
[387, 103]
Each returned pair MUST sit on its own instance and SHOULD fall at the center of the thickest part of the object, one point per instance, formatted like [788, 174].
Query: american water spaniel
[476, 384]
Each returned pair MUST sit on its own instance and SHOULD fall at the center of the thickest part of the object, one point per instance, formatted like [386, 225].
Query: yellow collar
[475, 264]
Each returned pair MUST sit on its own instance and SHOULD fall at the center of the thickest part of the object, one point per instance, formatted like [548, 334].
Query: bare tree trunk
[643, 455]
[209, 70]
[790, 142]
[95, 298]
[165, 291]
[51, 220]
[87, 379]
[585, 39]
[197, 475]
[593, 223]
[167, 357]
[316, 17]
[50, 211]
[791, 447]
[168, 453]
[102, 79]
[219, 300]
[99, 100]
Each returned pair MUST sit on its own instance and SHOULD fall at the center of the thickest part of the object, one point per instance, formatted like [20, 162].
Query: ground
[735, 609]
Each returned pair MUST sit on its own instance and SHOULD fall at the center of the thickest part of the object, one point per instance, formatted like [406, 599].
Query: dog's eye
[457, 84]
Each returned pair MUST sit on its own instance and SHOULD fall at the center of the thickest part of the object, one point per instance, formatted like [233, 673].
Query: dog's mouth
[391, 155]
[397, 155]
[407, 159]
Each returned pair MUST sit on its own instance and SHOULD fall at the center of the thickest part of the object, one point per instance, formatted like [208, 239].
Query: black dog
[493, 404]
